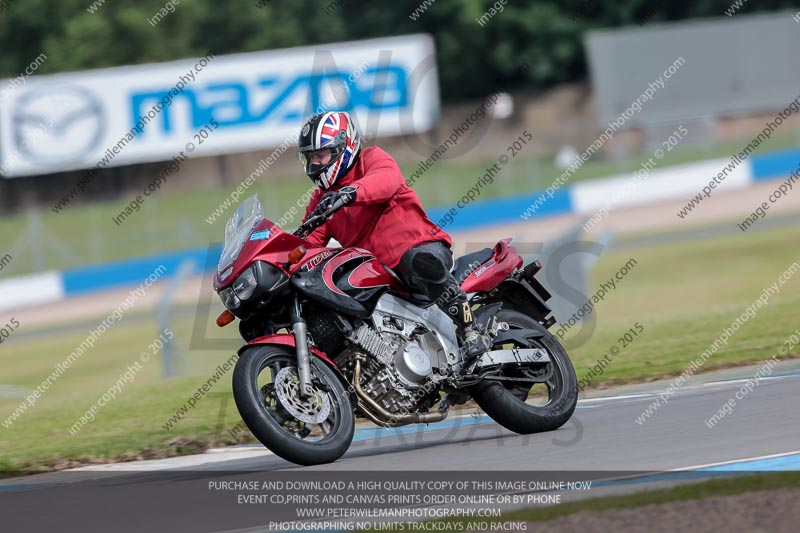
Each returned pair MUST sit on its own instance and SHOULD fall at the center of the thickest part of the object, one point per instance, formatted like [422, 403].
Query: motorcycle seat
[461, 267]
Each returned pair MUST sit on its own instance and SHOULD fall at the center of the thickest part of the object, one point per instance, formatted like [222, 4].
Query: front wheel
[553, 389]
[305, 431]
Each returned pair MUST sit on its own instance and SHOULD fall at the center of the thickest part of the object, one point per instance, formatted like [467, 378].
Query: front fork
[300, 332]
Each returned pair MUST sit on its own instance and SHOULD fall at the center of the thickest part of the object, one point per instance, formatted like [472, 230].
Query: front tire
[311, 431]
[505, 402]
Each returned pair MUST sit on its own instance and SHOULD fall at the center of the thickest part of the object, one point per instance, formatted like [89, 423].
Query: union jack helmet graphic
[331, 134]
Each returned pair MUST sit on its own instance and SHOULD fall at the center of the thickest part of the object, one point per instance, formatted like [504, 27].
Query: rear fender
[520, 335]
[525, 297]
[491, 273]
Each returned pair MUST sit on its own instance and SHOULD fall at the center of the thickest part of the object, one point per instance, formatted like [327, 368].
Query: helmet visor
[316, 161]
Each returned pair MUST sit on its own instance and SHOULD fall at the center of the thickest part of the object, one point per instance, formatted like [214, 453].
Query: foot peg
[475, 345]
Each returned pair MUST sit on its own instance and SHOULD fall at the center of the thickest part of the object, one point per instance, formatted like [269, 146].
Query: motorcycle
[333, 335]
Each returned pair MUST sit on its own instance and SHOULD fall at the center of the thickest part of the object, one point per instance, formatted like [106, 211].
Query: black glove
[347, 194]
[326, 201]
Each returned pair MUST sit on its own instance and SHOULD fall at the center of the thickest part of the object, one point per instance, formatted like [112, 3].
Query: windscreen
[238, 228]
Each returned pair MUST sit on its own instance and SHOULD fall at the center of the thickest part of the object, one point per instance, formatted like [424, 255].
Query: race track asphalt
[602, 441]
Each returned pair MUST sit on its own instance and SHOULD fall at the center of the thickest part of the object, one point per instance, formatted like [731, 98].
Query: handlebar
[318, 219]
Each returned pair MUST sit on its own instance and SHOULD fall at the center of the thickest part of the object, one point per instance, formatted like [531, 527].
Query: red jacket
[386, 218]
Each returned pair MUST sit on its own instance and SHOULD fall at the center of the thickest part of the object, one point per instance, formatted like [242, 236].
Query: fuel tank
[350, 280]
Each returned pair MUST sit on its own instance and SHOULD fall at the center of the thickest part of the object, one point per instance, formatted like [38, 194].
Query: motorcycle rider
[383, 215]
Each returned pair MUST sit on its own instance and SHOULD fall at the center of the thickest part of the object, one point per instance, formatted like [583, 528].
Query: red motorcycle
[332, 335]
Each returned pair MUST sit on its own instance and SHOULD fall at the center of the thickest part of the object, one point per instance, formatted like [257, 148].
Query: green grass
[168, 221]
[684, 295]
[133, 421]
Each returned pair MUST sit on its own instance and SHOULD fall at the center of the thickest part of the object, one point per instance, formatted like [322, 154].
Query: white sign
[214, 104]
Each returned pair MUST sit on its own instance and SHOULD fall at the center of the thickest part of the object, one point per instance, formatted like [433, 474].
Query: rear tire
[505, 402]
[267, 418]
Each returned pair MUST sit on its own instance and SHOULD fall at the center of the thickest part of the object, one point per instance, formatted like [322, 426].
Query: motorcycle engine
[401, 370]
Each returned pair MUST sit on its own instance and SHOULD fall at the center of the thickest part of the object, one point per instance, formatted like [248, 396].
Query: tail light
[532, 269]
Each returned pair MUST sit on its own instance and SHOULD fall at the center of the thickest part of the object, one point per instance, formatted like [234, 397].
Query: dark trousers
[425, 268]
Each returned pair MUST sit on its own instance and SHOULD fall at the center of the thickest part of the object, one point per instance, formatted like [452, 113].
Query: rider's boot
[474, 343]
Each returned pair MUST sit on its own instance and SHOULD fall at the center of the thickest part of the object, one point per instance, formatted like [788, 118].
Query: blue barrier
[503, 210]
[134, 271]
[775, 164]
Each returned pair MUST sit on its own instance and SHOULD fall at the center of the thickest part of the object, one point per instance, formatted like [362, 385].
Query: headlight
[245, 284]
[259, 281]
[229, 298]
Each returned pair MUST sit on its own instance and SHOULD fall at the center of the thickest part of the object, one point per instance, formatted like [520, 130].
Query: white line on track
[745, 380]
[734, 461]
[620, 397]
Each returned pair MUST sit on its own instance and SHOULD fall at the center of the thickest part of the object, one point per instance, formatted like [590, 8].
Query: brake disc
[312, 410]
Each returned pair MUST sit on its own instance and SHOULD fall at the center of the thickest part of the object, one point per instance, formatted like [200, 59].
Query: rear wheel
[552, 388]
[306, 431]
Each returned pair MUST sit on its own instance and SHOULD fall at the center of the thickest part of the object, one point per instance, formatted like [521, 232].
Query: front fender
[287, 339]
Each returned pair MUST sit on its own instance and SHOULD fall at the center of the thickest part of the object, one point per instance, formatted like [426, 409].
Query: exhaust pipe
[383, 417]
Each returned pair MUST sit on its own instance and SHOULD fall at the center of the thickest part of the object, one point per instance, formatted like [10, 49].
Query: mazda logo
[73, 120]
